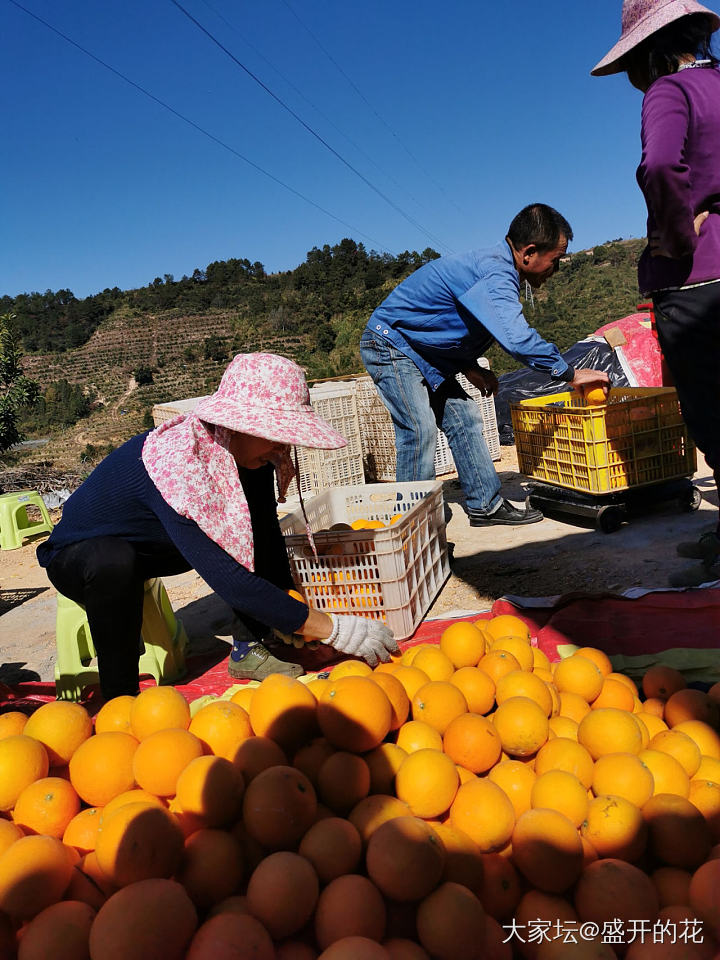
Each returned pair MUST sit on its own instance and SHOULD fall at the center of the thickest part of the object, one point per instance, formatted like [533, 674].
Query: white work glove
[361, 637]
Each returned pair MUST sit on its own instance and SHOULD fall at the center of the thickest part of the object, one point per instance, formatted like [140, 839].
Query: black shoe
[507, 515]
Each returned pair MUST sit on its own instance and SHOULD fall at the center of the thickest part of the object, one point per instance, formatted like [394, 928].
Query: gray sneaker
[707, 548]
[696, 575]
[259, 663]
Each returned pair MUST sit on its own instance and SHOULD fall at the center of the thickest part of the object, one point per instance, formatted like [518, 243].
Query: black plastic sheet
[526, 383]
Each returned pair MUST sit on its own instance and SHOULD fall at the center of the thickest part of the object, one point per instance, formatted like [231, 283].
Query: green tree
[16, 390]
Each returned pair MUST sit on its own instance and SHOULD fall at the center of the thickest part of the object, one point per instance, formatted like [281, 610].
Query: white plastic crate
[166, 411]
[321, 470]
[378, 435]
[393, 573]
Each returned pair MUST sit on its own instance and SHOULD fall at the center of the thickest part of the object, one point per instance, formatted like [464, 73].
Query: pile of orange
[466, 801]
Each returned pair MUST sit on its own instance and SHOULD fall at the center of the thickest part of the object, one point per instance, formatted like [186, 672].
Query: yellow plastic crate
[638, 437]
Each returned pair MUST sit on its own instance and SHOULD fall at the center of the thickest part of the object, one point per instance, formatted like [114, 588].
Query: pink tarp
[641, 352]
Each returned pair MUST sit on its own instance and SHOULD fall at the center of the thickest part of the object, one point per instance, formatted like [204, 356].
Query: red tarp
[646, 624]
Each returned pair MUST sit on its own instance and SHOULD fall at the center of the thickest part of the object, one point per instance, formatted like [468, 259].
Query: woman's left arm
[664, 175]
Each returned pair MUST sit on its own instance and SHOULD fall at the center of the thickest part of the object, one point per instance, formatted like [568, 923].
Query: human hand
[361, 637]
[295, 640]
[484, 380]
[700, 220]
[586, 379]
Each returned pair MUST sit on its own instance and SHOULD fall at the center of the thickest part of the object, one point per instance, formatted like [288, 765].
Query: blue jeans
[417, 412]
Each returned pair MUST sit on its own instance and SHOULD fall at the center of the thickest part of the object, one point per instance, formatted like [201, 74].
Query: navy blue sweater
[120, 500]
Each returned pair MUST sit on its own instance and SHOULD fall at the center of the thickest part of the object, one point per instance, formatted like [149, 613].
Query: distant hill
[104, 361]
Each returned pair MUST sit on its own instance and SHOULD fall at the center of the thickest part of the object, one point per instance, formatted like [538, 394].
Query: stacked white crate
[378, 435]
[320, 470]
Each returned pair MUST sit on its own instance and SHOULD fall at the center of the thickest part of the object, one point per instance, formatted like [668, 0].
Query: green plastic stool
[163, 638]
[14, 522]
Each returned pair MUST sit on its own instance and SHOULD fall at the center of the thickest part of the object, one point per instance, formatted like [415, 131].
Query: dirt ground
[542, 559]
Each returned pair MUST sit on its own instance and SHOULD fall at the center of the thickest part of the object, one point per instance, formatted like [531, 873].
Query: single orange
[162, 757]
[355, 714]
[707, 738]
[333, 846]
[438, 703]
[521, 683]
[624, 775]
[221, 727]
[579, 675]
[158, 708]
[573, 706]
[547, 850]
[561, 791]
[688, 704]
[473, 742]
[418, 735]
[522, 726]
[705, 795]
[211, 789]
[115, 715]
[668, 773]
[598, 657]
[436, 664]
[563, 727]
[61, 727]
[609, 730]
[506, 625]
[244, 695]
[102, 767]
[367, 816]
[615, 828]
[477, 688]
[383, 763]
[343, 781]
[22, 761]
[395, 692]
[427, 781]
[662, 682]
[496, 663]
[565, 754]
[12, 723]
[482, 810]
[463, 644]
[138, 842]
[679, 835]
[680, 746]
[284, 710]
[411, 678]
[81, 832]
[46, 807]
[256, 754]
[405, 859]
[516, 780]
[519, 648]
[614, 694]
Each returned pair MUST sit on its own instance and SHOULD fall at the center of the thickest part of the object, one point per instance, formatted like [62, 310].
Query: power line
[364, 99]
[194, 125]
[310, 103]
[306, 126]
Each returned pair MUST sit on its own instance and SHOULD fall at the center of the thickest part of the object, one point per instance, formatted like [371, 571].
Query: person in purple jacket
[665, 49]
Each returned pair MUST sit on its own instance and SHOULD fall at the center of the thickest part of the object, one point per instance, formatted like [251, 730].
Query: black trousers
[107, 576]
[688, 326]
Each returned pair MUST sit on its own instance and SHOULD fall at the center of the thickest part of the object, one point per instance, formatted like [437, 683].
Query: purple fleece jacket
[679, 176]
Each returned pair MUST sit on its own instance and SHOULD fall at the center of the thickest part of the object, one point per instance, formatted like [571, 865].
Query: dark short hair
[659, 55]
[539, 224]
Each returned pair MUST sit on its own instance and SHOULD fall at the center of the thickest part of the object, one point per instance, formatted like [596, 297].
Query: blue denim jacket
[448, 312]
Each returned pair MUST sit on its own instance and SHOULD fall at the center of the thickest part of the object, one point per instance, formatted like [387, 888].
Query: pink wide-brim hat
[642, 18]
[266, 395]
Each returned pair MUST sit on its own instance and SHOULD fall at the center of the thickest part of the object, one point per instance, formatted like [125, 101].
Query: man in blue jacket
[436, 323]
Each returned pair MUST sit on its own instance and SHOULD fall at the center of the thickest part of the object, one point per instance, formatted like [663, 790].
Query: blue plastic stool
[163, 637]
[14, 522]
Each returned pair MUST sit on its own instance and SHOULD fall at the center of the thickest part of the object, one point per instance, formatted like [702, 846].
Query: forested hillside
[104, 361]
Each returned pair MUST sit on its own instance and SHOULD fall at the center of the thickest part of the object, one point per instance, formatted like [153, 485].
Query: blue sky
[467, 111]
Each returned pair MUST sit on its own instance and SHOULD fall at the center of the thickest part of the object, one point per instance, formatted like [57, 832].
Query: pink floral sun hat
[640, 19]
[267, 396]
[189, 462]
